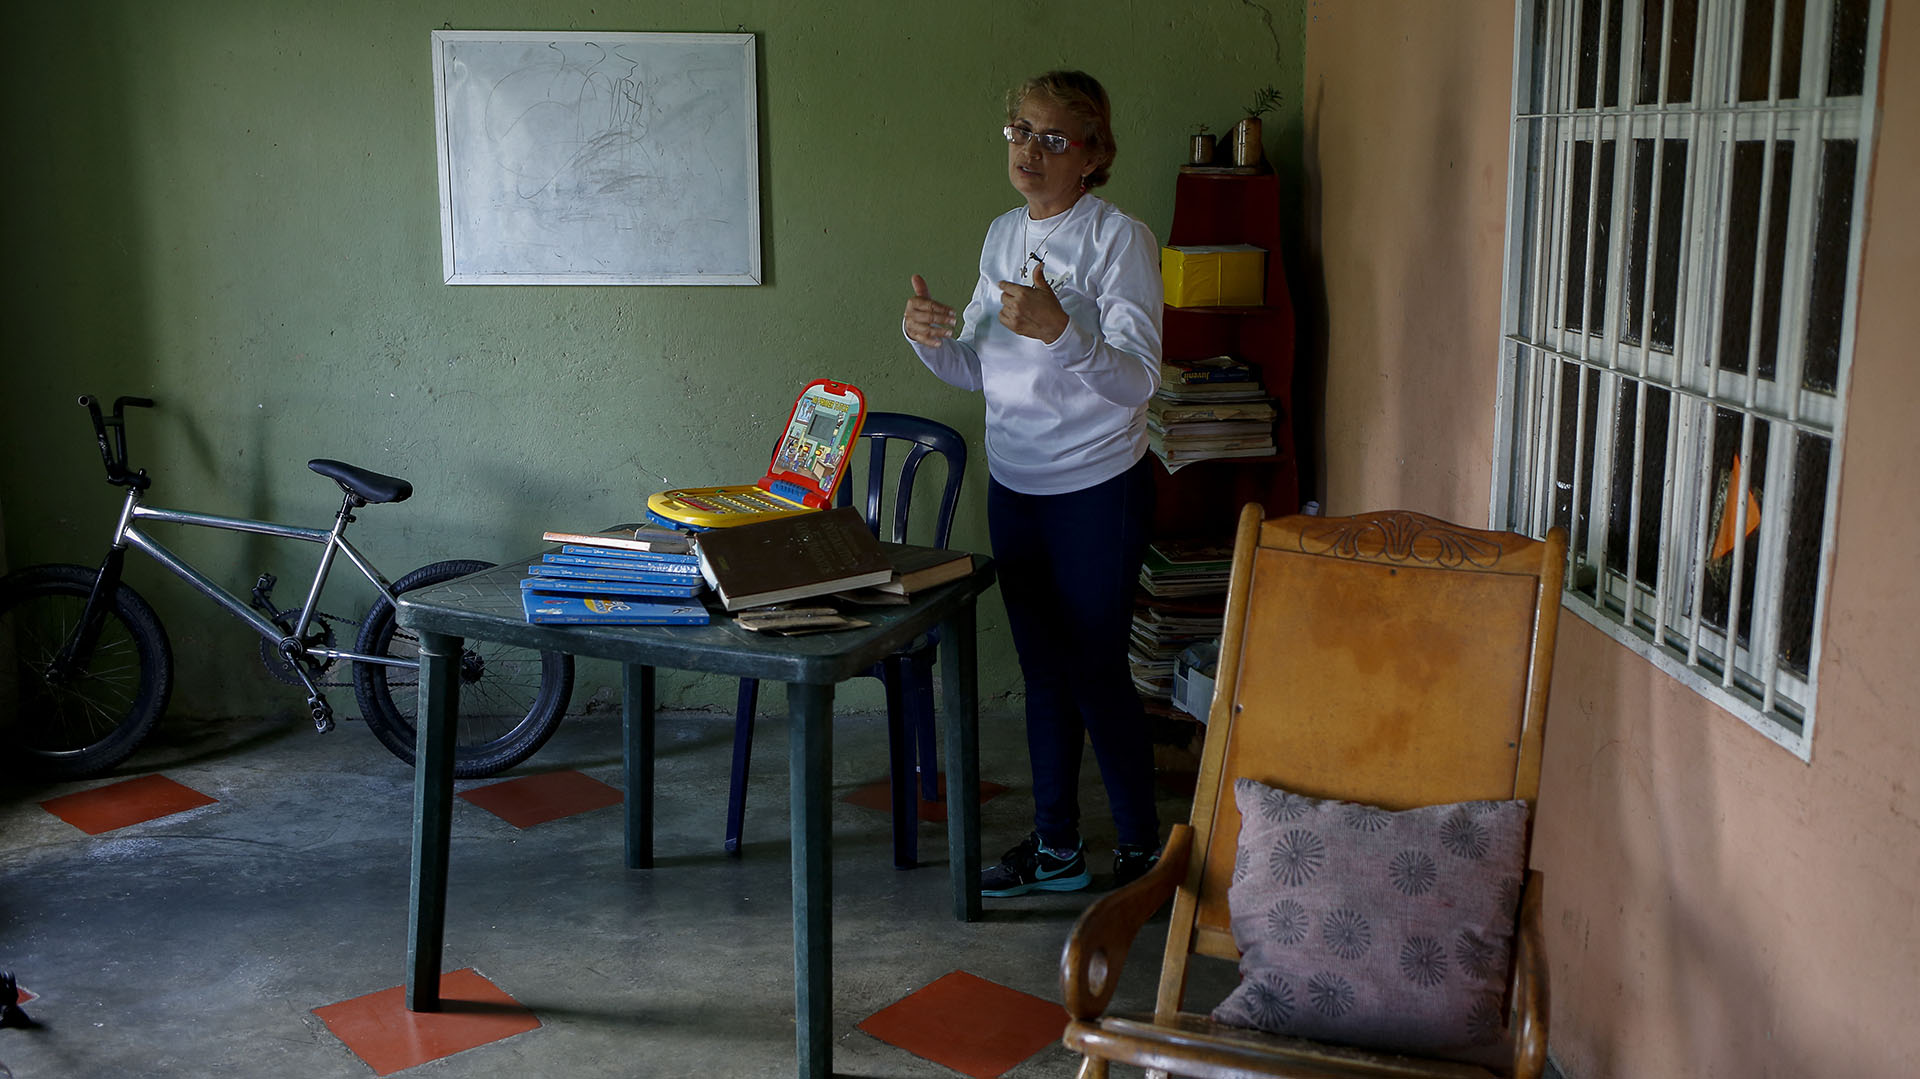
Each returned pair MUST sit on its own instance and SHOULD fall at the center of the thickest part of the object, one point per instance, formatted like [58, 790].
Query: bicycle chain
[277, 665]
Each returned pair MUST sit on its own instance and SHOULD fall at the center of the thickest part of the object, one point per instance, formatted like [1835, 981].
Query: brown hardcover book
[789, 558]
[630, 537]
[916, 568]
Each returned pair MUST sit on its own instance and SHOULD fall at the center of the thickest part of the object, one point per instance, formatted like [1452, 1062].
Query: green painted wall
[232, 207]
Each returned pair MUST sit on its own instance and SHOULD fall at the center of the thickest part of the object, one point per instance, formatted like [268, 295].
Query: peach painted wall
[1715, 906]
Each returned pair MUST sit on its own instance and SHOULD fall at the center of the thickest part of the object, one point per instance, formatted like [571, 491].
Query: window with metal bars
[1685, 208]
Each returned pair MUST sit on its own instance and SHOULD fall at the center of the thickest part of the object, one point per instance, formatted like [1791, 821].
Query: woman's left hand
[1033, 312]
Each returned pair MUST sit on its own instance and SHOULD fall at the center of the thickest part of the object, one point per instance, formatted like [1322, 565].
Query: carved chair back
[1388, 658]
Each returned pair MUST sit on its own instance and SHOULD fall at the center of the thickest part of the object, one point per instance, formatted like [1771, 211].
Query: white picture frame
[597, 158]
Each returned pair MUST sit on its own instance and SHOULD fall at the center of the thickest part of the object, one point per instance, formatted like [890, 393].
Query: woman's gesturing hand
[928, 321]
[1033, 312]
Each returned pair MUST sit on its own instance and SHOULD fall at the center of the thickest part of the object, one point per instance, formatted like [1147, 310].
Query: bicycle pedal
[322, 713]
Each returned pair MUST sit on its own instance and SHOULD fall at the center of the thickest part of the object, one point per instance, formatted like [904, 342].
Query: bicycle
[91, 666]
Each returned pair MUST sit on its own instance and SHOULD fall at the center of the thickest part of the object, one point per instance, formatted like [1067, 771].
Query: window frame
[1538, 342]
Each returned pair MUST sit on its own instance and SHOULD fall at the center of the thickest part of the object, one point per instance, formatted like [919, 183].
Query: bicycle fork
[76, 653]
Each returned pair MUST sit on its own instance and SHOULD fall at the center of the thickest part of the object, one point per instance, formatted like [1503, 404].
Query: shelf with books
[1199, 493]
[1193, 501]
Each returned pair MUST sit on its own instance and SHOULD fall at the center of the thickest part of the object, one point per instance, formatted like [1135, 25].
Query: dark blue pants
[1068, 566]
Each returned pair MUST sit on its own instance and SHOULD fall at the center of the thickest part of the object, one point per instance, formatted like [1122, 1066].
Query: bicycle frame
[333, 542]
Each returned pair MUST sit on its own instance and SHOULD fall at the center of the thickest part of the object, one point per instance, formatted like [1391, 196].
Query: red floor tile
[969, 1024]
[381, 1031]
[532, 800]
[876, 796]
[130, 801]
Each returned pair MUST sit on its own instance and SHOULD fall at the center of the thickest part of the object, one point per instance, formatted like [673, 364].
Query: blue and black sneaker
[1032, 867]
[1132, 863]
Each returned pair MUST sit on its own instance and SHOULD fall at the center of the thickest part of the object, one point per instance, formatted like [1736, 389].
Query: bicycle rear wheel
[511, 698]
[92, 719]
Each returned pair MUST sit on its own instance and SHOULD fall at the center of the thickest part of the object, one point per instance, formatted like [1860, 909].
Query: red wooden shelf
[1228, 208]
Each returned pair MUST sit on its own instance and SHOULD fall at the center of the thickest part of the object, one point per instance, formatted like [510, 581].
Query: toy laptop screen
[808, 464]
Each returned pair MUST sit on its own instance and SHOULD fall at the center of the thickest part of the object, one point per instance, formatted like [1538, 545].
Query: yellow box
[1214, 275]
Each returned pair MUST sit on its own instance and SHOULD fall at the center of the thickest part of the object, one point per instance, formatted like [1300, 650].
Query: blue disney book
[619, 557]
[598, 586]
[609, 611]
[650, 574]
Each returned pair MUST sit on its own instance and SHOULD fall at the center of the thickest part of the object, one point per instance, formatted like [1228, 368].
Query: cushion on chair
[1386, 930]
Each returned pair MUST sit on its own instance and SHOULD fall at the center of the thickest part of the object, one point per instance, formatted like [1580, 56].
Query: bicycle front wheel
[84, 721]
[511, 698]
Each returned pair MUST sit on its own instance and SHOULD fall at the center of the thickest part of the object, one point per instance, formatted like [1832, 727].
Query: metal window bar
[1655, 188]
[1555, 165]
[1585, 472]
[1756, 313]
[1720, 183]
[1673, 573]
[1807, 185]
[1864, 120]
[1553, 269]
[1607, 453]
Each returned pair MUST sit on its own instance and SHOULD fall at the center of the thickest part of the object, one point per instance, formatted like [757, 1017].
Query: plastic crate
[1193, 679]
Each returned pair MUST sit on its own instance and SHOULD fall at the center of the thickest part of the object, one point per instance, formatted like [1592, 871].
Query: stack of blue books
[589, 585]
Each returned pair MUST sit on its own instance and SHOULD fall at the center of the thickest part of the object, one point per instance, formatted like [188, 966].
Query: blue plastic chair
[906, 674]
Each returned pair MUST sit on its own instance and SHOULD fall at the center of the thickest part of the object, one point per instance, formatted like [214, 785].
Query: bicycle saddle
[369, 485]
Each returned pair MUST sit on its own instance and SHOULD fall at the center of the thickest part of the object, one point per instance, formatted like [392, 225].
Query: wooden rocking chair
[1390, 659]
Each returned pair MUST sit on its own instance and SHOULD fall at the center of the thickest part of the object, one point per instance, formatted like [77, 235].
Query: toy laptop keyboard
[807, 466]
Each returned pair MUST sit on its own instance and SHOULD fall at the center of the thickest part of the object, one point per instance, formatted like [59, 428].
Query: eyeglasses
[1053, 144]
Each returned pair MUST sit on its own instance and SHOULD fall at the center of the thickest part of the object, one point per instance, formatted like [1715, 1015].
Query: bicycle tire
[97, 718]
[506, 712]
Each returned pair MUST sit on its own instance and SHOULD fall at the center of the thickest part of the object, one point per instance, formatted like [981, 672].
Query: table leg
[432, 816]
[962, 701]
[903, 786]
[810, 762]
[637, 727]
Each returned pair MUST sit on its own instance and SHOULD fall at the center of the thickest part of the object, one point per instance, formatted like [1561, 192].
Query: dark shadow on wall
[73, 278]
[1309, 279]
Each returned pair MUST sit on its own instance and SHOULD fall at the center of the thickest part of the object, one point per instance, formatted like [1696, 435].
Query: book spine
[555, 618]
[604, 587]
[684, 553]
[650, 563]
[596, 573]
[1190, 376]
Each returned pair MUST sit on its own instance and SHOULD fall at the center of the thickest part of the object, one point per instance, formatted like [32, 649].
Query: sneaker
[1031, 867]
[1132, 863]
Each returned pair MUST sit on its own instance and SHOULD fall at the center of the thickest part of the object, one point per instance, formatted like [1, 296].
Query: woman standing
[1062, 336]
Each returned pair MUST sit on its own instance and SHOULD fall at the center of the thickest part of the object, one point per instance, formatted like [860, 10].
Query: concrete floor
[198, 944]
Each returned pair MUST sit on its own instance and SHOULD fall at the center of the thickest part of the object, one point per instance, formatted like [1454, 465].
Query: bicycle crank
[317, 705]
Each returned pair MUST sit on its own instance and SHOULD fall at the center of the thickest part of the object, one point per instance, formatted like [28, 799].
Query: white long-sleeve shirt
[1063, 416]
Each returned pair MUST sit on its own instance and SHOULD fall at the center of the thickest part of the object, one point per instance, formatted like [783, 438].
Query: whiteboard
[597, 159]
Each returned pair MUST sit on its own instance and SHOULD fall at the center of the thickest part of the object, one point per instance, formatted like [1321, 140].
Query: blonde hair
[1086, 100]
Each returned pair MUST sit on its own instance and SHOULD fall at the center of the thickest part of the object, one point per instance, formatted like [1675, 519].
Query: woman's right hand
[927, 321]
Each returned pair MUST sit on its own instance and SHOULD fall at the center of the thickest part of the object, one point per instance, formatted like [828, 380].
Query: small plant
[1264, 101]
[1200, 129]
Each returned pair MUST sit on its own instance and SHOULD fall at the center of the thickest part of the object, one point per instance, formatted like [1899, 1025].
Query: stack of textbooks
[1208, 409]
[1181, 602]
[632, 575]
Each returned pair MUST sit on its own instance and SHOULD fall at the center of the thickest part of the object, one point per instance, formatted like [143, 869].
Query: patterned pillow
[1375, 929]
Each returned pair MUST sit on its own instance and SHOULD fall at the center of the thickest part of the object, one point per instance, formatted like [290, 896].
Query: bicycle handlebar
[114, 454]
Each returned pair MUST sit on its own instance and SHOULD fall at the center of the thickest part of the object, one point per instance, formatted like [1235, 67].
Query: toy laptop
[807, 465]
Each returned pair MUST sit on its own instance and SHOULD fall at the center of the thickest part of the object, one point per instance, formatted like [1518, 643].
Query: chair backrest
[920, 438]
[1389, 658]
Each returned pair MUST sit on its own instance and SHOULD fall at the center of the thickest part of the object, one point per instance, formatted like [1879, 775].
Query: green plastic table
[486, 606]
